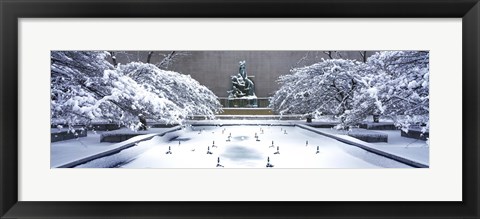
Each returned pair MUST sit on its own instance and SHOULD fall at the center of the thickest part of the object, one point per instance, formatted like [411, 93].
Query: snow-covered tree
[326, 87]
[189, 96]
[396, 84]
[85, 87]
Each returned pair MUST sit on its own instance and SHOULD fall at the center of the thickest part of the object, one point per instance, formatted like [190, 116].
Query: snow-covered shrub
[368, 135]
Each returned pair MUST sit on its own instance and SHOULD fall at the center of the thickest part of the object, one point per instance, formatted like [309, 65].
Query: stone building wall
[215, 68]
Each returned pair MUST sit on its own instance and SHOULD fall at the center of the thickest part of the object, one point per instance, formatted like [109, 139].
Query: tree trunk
[364, 56]
[149, 57]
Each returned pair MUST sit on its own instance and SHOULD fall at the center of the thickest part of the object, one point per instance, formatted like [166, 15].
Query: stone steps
[246, 111]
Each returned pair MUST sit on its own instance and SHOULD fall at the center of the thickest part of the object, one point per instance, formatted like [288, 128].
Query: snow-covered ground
[70, 150]
[189, 148]
[413, 149]
[409, 148]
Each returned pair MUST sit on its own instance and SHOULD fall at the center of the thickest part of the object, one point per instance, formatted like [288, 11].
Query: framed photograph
[239, 109]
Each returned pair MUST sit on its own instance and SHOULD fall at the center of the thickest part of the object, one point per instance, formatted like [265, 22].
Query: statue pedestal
[245, 102]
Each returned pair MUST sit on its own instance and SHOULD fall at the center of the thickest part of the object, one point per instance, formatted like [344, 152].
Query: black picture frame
[12, 10]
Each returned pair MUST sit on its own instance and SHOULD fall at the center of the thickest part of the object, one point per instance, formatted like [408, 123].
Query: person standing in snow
[142, 119]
